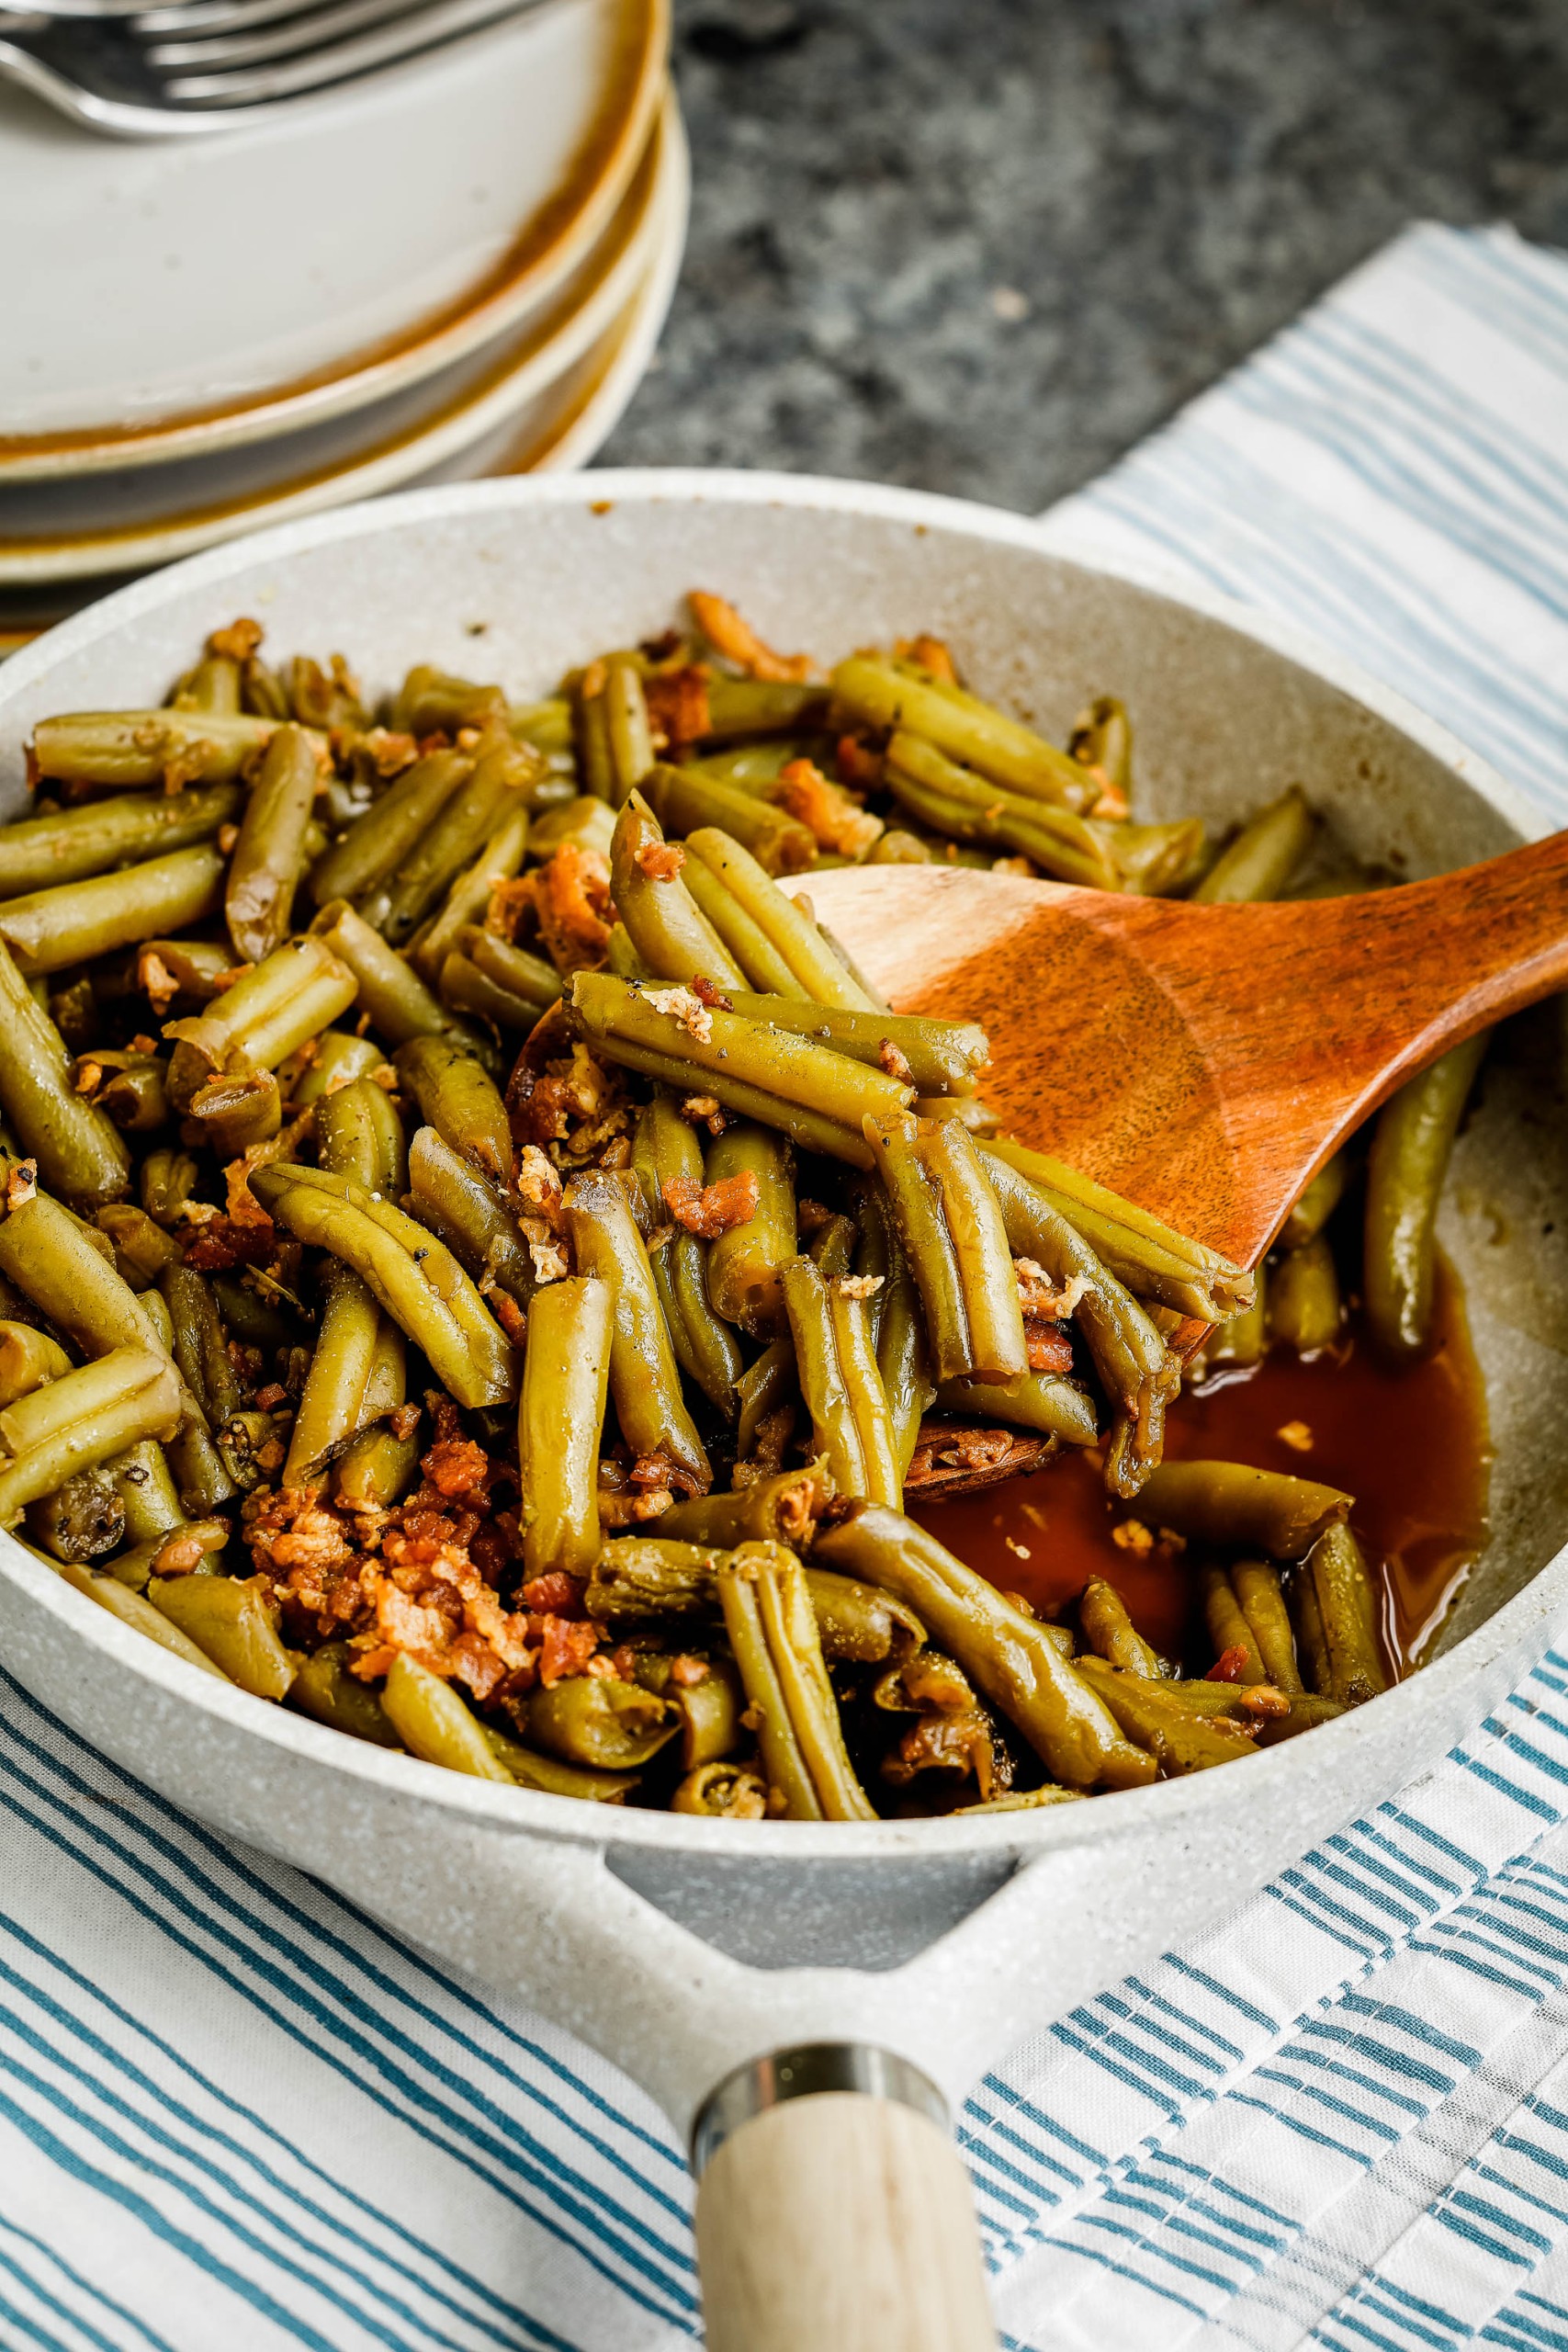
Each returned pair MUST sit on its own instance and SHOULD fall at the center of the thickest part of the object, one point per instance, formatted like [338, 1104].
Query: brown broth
[1410, 1444]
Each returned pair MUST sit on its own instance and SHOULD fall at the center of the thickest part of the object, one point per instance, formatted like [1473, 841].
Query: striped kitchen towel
[235, 2113]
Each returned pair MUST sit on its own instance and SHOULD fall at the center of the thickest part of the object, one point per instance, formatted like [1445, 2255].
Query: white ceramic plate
[192, 295]
[511, 412]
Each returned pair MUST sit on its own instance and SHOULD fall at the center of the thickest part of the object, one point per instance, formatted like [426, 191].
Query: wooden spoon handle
[840, 2223]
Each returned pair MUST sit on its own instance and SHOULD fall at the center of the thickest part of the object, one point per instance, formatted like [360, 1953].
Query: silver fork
[206, 65]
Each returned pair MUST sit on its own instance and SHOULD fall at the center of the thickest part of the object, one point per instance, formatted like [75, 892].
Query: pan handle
[832, 2210]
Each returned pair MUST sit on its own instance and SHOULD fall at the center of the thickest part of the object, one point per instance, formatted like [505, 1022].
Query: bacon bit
[1024, 865]
[836, 820]
[678, 704]
[653, 1504]
[953, 1458]
[538, 1182]
[269, 1398]
[1265, 1701]
[859, 1286]
[88, 1078]
[179, 1556]
[1047, 1348]
[238, 642]
[705, 1109]
[509, 1315]
[858, 765]
[554, 1594]
[686, 1672]
[403, 1422]
[140, 1044]
[510, 900]
[687, 1011]
[708, 1210]
[456, 1467]
[931, 654]
[198, 1213]
[1112, 802]
[156, 981]
[221, 1243]
[271, 1456]
[593, 680]
[1132, 1535]
[738, 642]
[21, 1183]
[1297, 1435]
[549, 1258]
[601, 1668]
[945, 1743]
[571, 893]
[1016, 1599]
[895, 1063]
[226, 980]
[387, 753]
[713, 998]
[1230, 1666]
[566, 1646]
[1037, 1295]
[660, 861]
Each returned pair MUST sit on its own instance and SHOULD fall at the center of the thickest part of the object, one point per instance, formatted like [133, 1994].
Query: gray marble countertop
[982, 246]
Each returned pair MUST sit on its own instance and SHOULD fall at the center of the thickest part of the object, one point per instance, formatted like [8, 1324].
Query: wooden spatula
[1204, 1061]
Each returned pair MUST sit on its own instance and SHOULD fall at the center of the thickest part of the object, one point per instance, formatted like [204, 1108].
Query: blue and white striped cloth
[233, 2112]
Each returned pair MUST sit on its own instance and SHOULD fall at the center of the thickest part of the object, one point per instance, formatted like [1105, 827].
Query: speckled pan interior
[682, 1946]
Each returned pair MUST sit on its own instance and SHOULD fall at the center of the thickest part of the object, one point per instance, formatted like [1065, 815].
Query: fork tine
[302, 34]
[424, 28]
[211, 16]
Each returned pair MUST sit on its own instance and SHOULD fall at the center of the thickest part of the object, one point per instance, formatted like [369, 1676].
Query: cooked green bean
[965, 728]
[1303, 1298]
[1047, 1401]
[644, 1381]
[783, 1510]
[811, 1129]
[897, 1322]
[628, 735]
[1228, 1627]
[49, 930]
[134, 1093]
[639, 1578]
[52, 1260]
[472, 1216]
[1108, 1628]
[566, 1373]
[148, 1496]
[1146, 1256]
[666, 1152]
[229, 1114]
[82, 1420]
[432, 702]
[941, 1057]
[953, 1233]
[743, 1261]
[200, 1345]
[329, 1693]
[269, 857]
[388, 988]
[1151, 1713]
[810, 965]
[685, 801]
[134, 1609]
[601, 1726]
[73, 844]
[78, 1151]
[82, 1520]
[851, 1427]
[1264, 853]
[331, 1405]
[359, 1134]
[232, 1623]
[458, 1098]
[773, 1633]
[28, 1358]
[377, 844]
[432, 1723]
[1227, 1502]
[264, 1017]
[510, 968]
[1257, 1586]
[131, 747]
[1409, 1159]
[1240, 1339]
[1317, 1204]
[857, 1622]
[469, 894]
[765, 1389]
[1346, 1608]
[955, 800]
[1006, 1654]
[203, 1540]
[671, 935]
[466, 821]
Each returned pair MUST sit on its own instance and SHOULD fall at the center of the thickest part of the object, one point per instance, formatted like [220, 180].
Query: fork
[208, 66]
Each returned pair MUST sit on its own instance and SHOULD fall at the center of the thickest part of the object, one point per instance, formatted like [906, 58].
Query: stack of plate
[459, 269]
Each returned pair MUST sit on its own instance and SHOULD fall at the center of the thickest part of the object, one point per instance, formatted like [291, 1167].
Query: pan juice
[1409, 1444]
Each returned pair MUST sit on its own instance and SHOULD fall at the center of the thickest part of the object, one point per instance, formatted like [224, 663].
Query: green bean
[201, 1344]
[229, 1114]
[566, 1371]
[148, 1496]
[335, 1059]
[269, 856]
[1348, 1610]
[641, 1577]
[205, 1539]
[390, 989]
[71, 844]
[965, 728]
[1411, 1143]
[359, 1134]
[326, 1690]
[783, 1510]
[78, 1151]
[510, 968]
[1303, 1298]
[1102, 1613]
[1241, 1339]
[897, 1322]
[1228, 1502]
[234, 1623]
[432, 702]
[665, 1150]
[472, 1217]
[529, 1768]
[28, 1359]
[952, 800]
[773, 1633]
[331, 1407]
[49, 930]
[1101, 741]
[133, 1609]
[628, 734]
[1313, 1648]
[1147, 1257]
[592, 741]
[852, 1428]
[195, 969]
[469, 894]
[134, 1093]
[743, 1261]
[683, 801]
[82, 1520]
[1155, 861]
[764, 1389]
[1317, 1204]
[667, 928]
[757, 767]
[413, 1276]
[49, 1256]
[831, 1247]
[789, 933]
[1264, 853]
[80, 1420]
[458, 1097]
[952, 1230]
[856, 1622]
[1151, 1713]
[942, 1057]
[601, 1726]
[262, 1019]
[1009, 1656]
[448, 844]
[761, 707]
[709, 1708]
[212, 685]
[1228, 1628]
[434, 1723]
[465, 989]
[742, 938]
[168, 1180]
[1045, 1401]
[131, 747]
[586, 822]
[376, 844]
[644, 1380]
[722, 1792]
[250, 1319]
[1257, 1587]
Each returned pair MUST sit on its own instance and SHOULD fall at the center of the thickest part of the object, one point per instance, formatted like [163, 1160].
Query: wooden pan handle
[836, 2220]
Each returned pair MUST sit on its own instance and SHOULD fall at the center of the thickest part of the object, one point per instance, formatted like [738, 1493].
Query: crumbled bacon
[572, 895]
[1230, 1666]
[931, 654]
[456, 1467]
[708, 1210]
[858, 765]
[678, 704]
[952, 1458]
[21, 1182]
[706, 1108]
[895, 1063]
[709, 994]
[223, 1242]
[686, 1009]
[1047, 1347]
[836, 820]
[509, 1315]
[566, 1646]
[945, 1743]
[238, 642]
[728, 634]
[554, 1594]
[660, 861]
